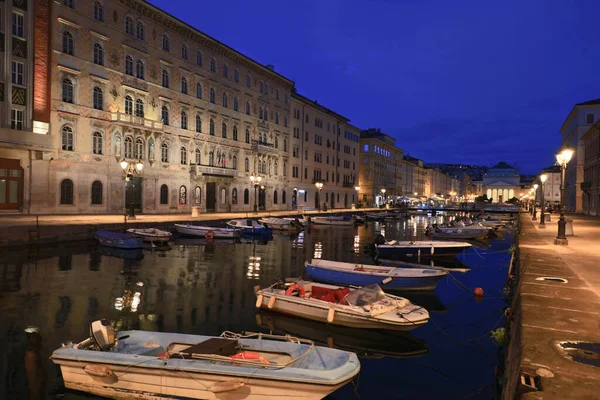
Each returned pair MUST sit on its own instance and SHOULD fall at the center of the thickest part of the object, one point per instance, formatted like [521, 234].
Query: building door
[332, 200]
[211, 196]
[262, 198]
[346, 200]
[11, 184]
[133, 193]
[317, 205]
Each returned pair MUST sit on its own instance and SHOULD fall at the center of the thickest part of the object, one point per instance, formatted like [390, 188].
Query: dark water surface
[207, 289]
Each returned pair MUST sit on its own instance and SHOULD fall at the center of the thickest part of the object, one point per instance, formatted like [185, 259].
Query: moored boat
[333, 220]
[151, 234]
[152, 365]
[416, 249]
[249, 226]
[342, 273]
[281, 224]
[457, 233]
[206, 231]
[368, 307]
[119, 240]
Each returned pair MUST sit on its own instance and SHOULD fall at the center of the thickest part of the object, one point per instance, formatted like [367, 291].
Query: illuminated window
[97, 143]
[67, 138]
[98, 99]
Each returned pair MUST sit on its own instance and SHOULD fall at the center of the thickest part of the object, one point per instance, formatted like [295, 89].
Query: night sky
[472, 82]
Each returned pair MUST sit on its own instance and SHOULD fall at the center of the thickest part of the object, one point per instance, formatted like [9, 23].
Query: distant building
[502, 182]
[477, 187]
[590, 186]
[413, 177]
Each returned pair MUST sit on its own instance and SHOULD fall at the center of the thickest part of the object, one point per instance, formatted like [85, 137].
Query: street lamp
[562, 159]
[533, 192]
[543, 178]
[256, 182]
[130, 169]
[319, 186]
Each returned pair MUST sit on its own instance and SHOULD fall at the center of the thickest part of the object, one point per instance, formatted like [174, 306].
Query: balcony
[212, 170]
[135, 122]
[263, 124]
[263, 147]
[586, 186]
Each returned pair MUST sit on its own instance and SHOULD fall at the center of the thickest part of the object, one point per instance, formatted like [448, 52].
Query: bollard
[569, 227]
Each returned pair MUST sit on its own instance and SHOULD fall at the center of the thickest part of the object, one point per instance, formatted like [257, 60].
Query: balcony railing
[263, 147]
[135, 121]
[212, 170]
[263, 124]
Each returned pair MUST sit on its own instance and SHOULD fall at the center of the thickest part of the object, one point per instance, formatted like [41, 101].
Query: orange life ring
[249, 355]
[291, 289]
[209, 235]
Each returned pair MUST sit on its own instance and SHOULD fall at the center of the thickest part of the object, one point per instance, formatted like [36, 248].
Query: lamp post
[543, 178]
[357, 188]
[562, 159]
[534, 192]
[256, 182]
[130, 169]
[319, 186]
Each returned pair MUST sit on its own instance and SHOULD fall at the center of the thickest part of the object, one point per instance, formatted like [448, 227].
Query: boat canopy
[365, 296]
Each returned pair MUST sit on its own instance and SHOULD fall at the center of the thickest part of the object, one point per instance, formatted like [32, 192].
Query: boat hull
[335, 222]
[393, 253]
[121, 243]
[202, 231]
[464, 235]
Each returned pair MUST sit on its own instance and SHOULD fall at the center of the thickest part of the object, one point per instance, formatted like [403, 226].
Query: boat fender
[291, 289]
[209, 235]
[259, 300]
[330, 315]
[249, 355]
[97, 370]
[386, 280]
[271, 302]
[220, 387]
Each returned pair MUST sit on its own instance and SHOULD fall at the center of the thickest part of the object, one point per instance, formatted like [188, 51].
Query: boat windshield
[365, 296]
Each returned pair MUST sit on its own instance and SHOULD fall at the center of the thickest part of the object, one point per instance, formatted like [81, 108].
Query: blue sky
[473, 82]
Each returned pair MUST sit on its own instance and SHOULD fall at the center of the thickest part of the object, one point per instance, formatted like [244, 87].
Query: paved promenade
[548, 312]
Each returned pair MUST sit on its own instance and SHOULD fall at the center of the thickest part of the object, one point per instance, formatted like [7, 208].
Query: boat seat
[149, 349]
[216, 346]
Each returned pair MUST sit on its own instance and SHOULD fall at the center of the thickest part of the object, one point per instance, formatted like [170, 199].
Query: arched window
[266, 88]
[234, 196]
[198, 123]
[248, 80]
[98, 54]
[211, 159]
[247, 135]
[198, 157]
[98, 99]
[276, 117]
[283, 200]
[165, 78]
[97, 192]
[97, 143]
[139, 108]
[225, 71]
[98, 11]
[235, 162]
[182, 195]
[224, 130]
[235, 133]
[183, 155]
[165, 115]
[236, 104]
[261, 87]
[275, 197]
[260, 113]
[223, 196]
[246, 165]
[184, 120]
[139, 149]
[198, 90]
[139, 69]
[246, 196]
[199, 58]
[164, 153]
[67, 138]
[236, 75]
[164, 194]
[67, 90]
[212, 127]
[66, 192]
[277, 93]
[166, 43]
[128, 105]
[213, 65]
[184, 51]
[225, 100]
[129, 65]
[140, 31]
[276, 142]
[198, 195]
[129, 28]
[213, 96]
[128, 147]
[184, 85]
[67, 42]
[247, 108]
[275, 168]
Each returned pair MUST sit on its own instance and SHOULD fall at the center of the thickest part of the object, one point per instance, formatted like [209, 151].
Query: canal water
[202, 288]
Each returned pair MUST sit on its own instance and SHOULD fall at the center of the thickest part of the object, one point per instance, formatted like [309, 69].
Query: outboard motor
[102, 336]
[379, 239]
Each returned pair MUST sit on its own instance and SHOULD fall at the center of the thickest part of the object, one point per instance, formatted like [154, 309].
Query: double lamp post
[256, 182]
[562, 159]
[130, 169]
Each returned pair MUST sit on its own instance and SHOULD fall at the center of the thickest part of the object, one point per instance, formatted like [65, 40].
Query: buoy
[386, 280]
[259, 300]
[330, 315]
[271, 302]
[478, 292]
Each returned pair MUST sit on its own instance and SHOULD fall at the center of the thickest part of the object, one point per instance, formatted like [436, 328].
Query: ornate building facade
[502, 182]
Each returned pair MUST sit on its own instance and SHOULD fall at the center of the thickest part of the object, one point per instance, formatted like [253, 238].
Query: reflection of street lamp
[256, 182]
[543, 178]
[534, 193]
[130, 169]
[357, 188]
[319, 186]
[383, 195]
[562, 159]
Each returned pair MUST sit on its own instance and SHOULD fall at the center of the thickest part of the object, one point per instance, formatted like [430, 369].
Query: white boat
[249, 226]
[395, 249]
[157, 365]
[151, 234]
[368, 307]
[457, 233]
[303, 221]
[333, 220]
[281, 224]
[206, 231]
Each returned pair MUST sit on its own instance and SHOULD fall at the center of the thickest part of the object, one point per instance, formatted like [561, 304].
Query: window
[236, 104]
[98, 54]
[184, 85]
[246, 196]
[164, 154]
[236, 75]
[235, 133]
[67, 42]
[283, 196]
[164, 194]
[198, 123]
[165, 115]
[67, 138]
[234, 196]
[129, 28]
[139, 149]
[225, 71]
[212, 127]
[66, 192]
[247, 135]
[285, 121]
[97, 144]
[198, 90]
[276, 117]
[275, 168]
[68, 3]
[17, 25]
[139, 108]
[198, 157]
[285, 144]
[97, 192]
[260, 113]
[98, 99]
[211, 159]
[275, 197]
[182, 195]
[67, 90]
[199, 58]
[166, 43]
[17, 73]
[276, 142]
[184, 51]
[235, 161]
[16, 119]
[140, 31]
[183, 156]
[128, 147]
[261, 87]
[213, 96]
[589, 118]
[225, 100]
[98, 11]
[213, 65]
[266, 89]
[165, 78]
[277, 94]
[286, 98]
[247, 108]
[246, 165]
[198, 195]
[139, 69]
[224, 130]
[266, 115]
[129, 65]
[184, 120]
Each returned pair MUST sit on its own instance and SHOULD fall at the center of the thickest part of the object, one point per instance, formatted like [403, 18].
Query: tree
[514, 200]
[482, 199]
